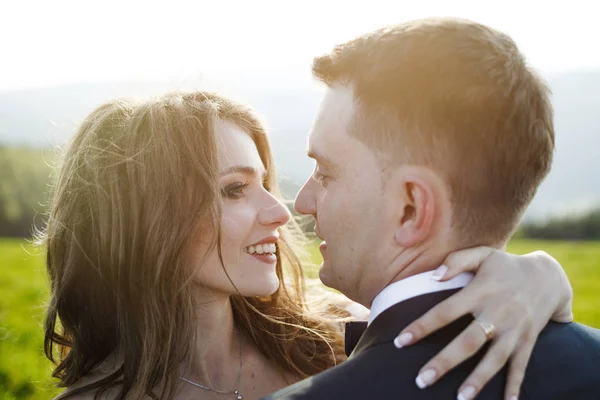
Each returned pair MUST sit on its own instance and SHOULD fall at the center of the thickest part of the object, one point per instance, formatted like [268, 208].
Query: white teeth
[262, 248]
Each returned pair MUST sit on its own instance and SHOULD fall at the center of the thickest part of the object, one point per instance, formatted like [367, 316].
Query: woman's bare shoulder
[89, 395]
[99, 373]
[339, 305]
[70, 392]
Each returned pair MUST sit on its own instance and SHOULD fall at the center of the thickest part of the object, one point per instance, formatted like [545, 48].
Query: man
[433, 136]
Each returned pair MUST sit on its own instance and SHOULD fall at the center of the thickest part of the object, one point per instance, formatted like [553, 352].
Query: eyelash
[319, 177]
[235, 191]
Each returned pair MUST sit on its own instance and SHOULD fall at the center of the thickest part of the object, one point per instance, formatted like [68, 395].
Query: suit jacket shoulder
[565, 363]
[377, 369]
[383, 371]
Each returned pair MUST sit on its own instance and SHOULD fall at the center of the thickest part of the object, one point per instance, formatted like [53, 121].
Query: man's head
[434, 135]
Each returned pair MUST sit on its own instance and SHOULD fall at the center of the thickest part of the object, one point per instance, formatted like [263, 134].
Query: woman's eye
[235, 190]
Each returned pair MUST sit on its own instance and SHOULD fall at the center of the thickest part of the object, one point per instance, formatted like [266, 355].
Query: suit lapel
[352, 334]
[389, 323]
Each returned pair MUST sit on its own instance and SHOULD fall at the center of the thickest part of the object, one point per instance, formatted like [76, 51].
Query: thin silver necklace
[235, 392]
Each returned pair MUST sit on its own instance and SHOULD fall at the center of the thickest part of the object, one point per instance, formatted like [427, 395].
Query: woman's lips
[266, 258]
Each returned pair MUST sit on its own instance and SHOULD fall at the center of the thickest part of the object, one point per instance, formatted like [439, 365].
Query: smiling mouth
[266, 248]
[263, 252]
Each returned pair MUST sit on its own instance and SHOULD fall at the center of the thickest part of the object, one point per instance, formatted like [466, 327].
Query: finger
[466, 260]
[516, 371]
[436, 318]
[565, 315]
[564, 308]
[461, 348]
[495, 358]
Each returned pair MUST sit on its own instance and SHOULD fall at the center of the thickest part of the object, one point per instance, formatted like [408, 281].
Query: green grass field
[24, 371]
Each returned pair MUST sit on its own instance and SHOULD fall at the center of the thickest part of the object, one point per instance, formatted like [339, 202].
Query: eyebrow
[247, 170]
[320, 158]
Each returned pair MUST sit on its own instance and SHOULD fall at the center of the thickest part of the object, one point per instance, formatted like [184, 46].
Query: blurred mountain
[288, 101]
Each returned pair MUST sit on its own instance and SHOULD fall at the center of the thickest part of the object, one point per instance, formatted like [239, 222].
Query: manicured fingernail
[467, 393]
[425, 378]
[439, 273]
[403, 340]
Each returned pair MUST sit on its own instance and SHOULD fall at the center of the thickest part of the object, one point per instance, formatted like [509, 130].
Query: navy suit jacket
[565, 363]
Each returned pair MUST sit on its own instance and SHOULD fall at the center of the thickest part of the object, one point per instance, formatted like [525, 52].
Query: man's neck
[414, 261]
[409, 262]
[414, 286]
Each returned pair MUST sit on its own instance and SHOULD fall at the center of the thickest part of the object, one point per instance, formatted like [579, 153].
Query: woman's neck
[215, 361]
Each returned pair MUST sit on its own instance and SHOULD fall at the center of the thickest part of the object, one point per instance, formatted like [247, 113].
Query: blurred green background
[25, 373]
[24, 176]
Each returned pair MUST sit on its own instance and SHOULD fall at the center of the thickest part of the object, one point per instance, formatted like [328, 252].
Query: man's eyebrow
[321, 159]
[243, 169]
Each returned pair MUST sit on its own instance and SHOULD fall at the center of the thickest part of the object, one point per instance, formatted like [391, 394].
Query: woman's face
[251, 217]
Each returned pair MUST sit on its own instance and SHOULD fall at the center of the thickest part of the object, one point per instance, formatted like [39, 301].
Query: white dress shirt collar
[414, 286]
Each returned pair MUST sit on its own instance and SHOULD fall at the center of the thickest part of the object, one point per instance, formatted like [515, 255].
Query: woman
[172, 264]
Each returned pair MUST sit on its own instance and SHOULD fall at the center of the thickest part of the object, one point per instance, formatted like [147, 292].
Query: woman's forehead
[236, 148]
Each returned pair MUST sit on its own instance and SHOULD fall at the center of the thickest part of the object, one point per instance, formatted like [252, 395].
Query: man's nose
[305, 199]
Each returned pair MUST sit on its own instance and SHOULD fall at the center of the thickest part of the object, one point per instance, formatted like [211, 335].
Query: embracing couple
[173, 268]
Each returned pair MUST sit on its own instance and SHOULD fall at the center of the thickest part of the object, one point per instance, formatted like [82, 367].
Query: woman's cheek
[237, 223]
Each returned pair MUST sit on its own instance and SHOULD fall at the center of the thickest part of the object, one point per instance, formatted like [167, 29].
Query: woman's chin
[261, 289]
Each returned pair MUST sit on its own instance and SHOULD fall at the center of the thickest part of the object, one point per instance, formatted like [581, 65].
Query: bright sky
[62, 41]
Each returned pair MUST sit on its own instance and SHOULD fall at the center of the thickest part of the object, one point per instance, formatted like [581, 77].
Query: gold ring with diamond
[488, 329]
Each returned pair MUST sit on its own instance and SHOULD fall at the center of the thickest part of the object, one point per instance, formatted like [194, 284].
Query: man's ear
[417, 210]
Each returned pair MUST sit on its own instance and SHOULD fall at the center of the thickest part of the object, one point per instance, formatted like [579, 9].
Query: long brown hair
[133, 186]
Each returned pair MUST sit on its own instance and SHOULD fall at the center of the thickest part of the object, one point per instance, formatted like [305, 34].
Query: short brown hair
[464, 92]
